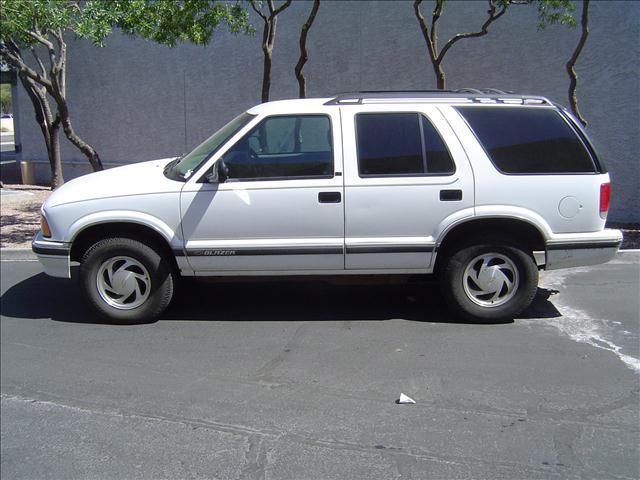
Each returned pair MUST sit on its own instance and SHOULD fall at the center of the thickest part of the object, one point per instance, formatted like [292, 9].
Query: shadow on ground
[41, 296]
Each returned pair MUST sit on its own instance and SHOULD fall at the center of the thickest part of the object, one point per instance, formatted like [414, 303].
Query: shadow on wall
[251, 301]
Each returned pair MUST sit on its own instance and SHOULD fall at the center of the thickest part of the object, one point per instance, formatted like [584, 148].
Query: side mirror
[218, 174]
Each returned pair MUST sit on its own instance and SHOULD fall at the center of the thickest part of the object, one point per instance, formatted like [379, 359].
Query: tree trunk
[84, 147]
[71, 135]
[268, 40]
[266, 75]
[54, 158]
[440, 76]
[51, 81]
[49, 127]
[57, 90]
[270, 20]
[304, 56]
[431, 37]
[573, 76]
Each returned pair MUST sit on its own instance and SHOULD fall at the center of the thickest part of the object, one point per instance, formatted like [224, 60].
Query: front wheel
[126, 281]
[489, 280]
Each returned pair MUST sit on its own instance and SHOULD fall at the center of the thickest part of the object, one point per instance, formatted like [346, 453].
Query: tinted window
[283, 146]
[400, 144]
[528, 140]
[438, 160]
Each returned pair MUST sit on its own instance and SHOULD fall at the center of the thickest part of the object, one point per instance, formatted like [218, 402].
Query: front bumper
[55, 257]
[564, 251]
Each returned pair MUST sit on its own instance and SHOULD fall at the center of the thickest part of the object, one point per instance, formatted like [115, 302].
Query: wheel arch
[517, 230]
[91, 233]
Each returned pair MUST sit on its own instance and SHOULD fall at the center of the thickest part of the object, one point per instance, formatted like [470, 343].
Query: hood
[135, 179]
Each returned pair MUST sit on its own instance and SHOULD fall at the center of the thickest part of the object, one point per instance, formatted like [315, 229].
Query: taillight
[605, 198]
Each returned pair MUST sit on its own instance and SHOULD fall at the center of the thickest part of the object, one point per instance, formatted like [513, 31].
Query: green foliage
[164, 21]
[170, 22]
[555, 12]
[5, 97]
[22, 18]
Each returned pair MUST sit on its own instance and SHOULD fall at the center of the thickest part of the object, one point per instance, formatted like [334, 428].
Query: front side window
[287, 146]
[190, 162]
[400, 144]
[528, 140]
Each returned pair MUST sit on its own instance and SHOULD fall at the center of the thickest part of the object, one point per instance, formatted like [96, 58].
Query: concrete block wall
[135, 101]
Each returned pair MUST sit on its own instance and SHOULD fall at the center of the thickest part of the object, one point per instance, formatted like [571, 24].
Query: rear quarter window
[528, 140]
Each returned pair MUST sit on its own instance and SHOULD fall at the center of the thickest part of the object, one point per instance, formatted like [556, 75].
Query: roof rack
[462, 95]
[479, 91]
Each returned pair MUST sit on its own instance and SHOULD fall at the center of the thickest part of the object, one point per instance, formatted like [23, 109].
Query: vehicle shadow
[41, 296]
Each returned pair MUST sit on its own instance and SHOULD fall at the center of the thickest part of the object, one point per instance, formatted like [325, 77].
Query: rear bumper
[564, 251]
[55, 257]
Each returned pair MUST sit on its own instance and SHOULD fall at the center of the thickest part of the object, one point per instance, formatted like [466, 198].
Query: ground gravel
[20, 215]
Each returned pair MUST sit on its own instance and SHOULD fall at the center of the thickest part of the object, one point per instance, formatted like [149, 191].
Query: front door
[280, 207]
[405, 173]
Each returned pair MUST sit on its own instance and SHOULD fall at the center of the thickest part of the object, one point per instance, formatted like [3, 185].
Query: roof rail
[466, 95]
[480, 91]
[405, 91]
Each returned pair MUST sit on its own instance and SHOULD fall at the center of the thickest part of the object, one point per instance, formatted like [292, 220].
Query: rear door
[405, 173]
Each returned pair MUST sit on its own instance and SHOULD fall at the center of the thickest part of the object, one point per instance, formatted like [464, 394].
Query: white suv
[481, 188]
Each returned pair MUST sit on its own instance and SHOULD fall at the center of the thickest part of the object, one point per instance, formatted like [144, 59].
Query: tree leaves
[164, 21]
[555, 12]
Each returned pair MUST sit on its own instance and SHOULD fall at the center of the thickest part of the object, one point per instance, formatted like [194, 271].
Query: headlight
[44, 227]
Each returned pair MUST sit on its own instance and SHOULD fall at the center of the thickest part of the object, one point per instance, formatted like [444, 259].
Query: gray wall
[135, 100]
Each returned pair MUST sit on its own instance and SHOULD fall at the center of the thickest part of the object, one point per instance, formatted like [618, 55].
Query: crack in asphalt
[257, 452]
[265, 373]
[256, 458]
[563, 441]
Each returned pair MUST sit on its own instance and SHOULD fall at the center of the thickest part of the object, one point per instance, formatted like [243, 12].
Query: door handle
[329, 197]
[450, 195]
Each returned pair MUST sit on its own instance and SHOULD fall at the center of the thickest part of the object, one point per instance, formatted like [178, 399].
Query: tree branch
[38, 60]
[40, 39]
[280, 8]
[257, 10]
[424, 29]
[16, 61]
[573, 76]
[304, 56]
[493, 16]
[435, 16]
[62, 61]
[37, 36]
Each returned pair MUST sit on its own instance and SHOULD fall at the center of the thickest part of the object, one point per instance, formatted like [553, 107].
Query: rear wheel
[126, 281]
[490, 280]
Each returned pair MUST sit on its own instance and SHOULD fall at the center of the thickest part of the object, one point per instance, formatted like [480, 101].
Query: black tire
[464, 301]
[156, 287]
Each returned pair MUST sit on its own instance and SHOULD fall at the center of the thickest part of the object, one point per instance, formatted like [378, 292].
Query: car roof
[461, 96]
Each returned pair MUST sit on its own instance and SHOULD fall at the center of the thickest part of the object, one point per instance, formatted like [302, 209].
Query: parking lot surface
[299, 380]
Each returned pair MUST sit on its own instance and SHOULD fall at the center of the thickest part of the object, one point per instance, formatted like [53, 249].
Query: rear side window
[528, 140]
[400, 144]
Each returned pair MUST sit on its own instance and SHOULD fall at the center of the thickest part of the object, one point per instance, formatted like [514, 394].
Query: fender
[123, 216]
[493, 211]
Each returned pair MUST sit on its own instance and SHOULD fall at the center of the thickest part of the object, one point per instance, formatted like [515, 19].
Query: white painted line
[580, 327]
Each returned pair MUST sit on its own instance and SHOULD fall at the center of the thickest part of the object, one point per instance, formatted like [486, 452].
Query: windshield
[190, 162]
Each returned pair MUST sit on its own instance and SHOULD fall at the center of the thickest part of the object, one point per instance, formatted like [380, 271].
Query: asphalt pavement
[298, 380]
